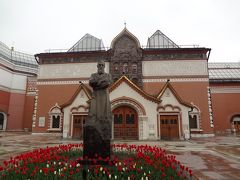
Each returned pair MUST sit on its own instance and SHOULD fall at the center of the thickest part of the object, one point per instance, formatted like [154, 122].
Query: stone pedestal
[94, 145]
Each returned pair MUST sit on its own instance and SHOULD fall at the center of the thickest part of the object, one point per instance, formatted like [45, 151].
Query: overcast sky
[33, 26]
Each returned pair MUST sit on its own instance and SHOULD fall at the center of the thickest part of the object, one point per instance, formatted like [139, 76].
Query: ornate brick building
[161, 91]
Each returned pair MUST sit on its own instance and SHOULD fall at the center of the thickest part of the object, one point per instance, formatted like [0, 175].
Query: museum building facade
[152, 96]
[161, 91]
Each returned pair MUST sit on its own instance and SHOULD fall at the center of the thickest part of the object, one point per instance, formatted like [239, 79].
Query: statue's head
[101, 66]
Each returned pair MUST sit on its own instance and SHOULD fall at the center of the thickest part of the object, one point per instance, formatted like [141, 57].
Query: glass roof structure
[224, 71]
[17, 58]
[88, 43]
[223, 65]
[160, 40]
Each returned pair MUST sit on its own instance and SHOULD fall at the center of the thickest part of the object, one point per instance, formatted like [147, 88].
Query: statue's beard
[100, 71]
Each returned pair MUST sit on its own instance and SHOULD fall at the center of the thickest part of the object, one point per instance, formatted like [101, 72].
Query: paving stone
[209, 158]
[213, 175]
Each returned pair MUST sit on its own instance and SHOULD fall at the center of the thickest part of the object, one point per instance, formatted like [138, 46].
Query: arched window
[125, 68]
[193, 122]
[134, 68]
[194, 119]
[55, 118]
[56, 121]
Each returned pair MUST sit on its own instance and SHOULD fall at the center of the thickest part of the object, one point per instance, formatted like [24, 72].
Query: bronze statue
[100, 108]
[98, 125]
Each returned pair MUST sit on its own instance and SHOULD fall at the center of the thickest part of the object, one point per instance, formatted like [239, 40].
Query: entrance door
[169, 127]
[125, 123]
[1, 121]
[236, 126]
[78, 122]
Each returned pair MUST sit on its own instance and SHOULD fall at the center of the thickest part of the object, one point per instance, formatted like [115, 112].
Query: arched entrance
[125, 123]
[236, 123]
[1, 121]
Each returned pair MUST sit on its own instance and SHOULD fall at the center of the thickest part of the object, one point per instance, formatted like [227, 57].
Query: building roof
[123, 33]
[80, 87]
[17, 58]
[135, 87]
[87, 43]
[224, 72]
[160, 40]
[223, 65]
[168, 85]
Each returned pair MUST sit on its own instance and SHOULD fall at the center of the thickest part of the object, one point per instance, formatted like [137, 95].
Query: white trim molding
[210, 107]
[57, 82]
[202, 135]
[225, 90]
[48, 134]
[146, 80]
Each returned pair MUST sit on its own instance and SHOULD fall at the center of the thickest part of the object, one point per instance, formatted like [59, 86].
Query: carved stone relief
[126, 60]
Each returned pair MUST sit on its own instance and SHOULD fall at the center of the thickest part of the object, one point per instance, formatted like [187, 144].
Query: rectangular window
[55, 121]
[193, 121]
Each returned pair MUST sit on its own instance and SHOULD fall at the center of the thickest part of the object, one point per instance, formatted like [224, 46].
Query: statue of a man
[100, 115]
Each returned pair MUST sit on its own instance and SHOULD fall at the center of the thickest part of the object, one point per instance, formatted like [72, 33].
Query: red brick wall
[28, 112]
[48, 95]
[4, 101]
[195, 92]
[15, 111]
[225, 106]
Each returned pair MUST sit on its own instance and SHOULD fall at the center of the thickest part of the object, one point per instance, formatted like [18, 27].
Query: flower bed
[62, 162]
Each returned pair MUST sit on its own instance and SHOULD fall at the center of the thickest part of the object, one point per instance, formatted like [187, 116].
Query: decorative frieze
[146, 80]
[34, 118]
[210, 107]
[31, 84]
[173, 56]
[53, 82]
[175, 68]
[72, 70]
[126, 59]
[80, 59]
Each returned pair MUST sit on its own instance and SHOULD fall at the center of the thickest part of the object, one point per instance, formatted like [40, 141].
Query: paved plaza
[209, 158]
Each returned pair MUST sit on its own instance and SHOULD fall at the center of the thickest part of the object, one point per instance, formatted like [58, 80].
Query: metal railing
[107, 48]
[16, 57]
